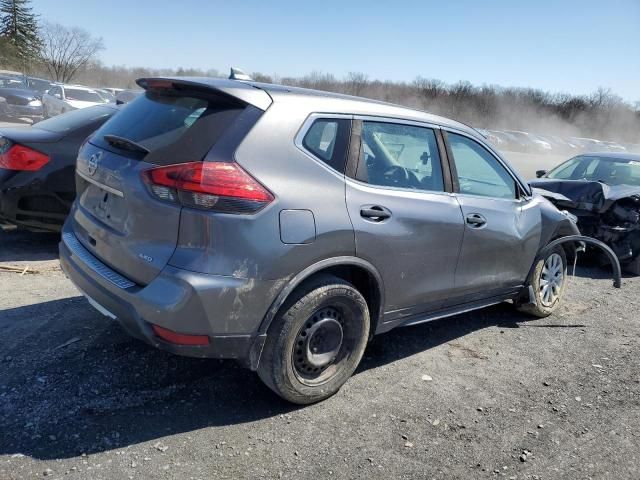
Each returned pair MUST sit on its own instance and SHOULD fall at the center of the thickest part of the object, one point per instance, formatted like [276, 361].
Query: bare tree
[356, 83]
[65, 50]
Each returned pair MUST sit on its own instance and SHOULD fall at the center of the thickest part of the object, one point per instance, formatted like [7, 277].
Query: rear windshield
[75, 119]
[82, 95]
[174, 127]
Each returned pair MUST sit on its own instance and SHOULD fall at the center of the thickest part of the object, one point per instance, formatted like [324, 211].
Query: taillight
[18, 157]
[219, 186]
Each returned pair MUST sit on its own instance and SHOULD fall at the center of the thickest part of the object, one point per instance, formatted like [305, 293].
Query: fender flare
[613, 259]
[256, 348]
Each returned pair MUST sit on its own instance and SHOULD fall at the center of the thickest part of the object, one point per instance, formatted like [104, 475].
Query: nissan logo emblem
[92, 164]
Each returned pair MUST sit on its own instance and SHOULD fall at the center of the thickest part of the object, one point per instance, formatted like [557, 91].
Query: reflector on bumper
[180, 338]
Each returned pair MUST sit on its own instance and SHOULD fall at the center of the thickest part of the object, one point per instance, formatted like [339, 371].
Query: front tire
[549, 280]
[316, 341]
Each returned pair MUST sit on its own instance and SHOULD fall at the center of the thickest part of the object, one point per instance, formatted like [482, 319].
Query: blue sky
[568, 46]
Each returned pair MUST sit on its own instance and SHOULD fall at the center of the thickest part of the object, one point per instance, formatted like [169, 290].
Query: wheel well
[570, 249]
[364, 281]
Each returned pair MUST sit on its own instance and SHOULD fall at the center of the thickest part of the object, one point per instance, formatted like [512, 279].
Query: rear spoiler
[245, 92]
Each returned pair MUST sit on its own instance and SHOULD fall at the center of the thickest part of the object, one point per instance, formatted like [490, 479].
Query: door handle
[476, 220]
[375, 213]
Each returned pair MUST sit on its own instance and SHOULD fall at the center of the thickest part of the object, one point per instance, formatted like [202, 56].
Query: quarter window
[479, 172]
[401, 156]
[327, 139]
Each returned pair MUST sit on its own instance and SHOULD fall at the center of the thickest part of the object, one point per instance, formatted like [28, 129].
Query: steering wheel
[398, 176]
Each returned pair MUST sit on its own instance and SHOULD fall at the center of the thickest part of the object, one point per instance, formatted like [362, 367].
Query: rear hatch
[116, 218]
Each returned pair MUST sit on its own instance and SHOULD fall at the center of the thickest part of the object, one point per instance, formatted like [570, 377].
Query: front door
[502, 227]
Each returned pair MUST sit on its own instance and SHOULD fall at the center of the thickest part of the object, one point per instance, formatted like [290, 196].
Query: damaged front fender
[610, 213]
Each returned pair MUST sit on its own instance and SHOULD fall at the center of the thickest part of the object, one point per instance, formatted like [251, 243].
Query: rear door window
[174, 127]
[401, 156]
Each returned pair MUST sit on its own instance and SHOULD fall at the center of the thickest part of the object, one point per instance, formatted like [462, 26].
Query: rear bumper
[26, 200]
[228, 310]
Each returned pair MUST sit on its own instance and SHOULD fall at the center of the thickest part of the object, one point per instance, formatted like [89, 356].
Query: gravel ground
[482, 395]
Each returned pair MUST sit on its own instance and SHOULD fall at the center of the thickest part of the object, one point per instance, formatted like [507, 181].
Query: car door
[406, 221]
[502, 224]
[50, 101]
[54, 101]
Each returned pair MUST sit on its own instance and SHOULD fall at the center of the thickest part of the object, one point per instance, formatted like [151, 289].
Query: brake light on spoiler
[217, 186]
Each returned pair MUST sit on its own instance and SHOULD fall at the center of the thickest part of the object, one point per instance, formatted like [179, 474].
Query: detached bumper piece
[615, 264]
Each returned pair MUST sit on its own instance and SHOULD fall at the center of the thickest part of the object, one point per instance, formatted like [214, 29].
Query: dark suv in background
[285, 227]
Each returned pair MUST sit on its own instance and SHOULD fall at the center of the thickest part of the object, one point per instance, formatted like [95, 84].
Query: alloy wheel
[551, 279]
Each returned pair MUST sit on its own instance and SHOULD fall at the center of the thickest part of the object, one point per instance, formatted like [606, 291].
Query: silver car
[64, 98]
[285, 227]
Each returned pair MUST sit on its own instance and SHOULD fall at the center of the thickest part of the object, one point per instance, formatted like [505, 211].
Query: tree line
[68, 54]
[43, 48]
[601, 114]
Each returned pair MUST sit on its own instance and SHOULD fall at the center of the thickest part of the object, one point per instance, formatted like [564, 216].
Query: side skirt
[446, 312]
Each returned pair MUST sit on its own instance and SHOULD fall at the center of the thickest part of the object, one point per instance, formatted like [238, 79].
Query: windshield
[76, 119]
[82, 95]
[12, 83]
[612, 171]
[39, 85]
[109, 97]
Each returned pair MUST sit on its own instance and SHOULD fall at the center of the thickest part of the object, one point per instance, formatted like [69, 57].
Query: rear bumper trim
[76, 248]
[98, 307]
[100, 185]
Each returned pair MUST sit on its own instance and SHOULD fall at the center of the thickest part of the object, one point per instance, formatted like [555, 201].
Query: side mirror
[541, 173]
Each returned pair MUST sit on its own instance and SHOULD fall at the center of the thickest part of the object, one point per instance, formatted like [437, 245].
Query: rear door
[115, 217]
[406, 223]
[502, 227]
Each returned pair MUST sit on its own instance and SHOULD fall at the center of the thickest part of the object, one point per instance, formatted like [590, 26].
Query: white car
[63, 98]
[113, 91]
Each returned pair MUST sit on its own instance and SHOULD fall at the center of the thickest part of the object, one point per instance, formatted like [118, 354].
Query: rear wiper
[125, 144]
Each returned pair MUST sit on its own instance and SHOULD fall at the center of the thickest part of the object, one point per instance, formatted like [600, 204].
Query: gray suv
[285, 227]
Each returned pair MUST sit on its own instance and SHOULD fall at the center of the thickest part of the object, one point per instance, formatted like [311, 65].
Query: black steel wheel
[316, 341]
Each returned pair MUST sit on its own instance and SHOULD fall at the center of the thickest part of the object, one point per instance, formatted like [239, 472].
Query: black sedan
[17, 100]
[37, 167]
[603, 191]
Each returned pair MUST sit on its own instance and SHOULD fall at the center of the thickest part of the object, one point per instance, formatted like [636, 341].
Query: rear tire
[316, 341]
[549, 280]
